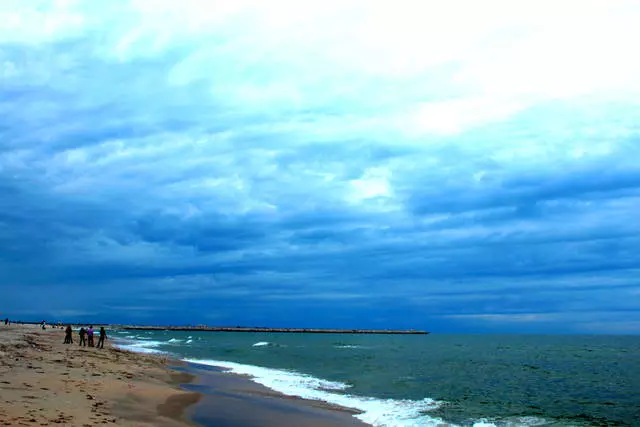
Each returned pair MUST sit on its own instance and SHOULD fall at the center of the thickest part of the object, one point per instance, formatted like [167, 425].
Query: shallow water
[422, 380]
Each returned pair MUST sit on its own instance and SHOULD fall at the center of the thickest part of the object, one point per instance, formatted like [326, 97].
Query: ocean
[429, 380]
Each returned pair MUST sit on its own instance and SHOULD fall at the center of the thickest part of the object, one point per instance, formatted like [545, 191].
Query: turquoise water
[423, 380]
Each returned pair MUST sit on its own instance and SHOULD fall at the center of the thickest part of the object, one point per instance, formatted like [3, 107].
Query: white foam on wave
[348, 346]
[146, 344]
[260, 344]
[141, 347]
[377, 412]
[189, 341]
[526, 421]
[174, 340]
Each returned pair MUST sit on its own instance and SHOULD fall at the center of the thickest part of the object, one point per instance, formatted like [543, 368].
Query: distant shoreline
[285, 330]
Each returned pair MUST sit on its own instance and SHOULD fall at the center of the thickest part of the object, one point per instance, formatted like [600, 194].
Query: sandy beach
[45, 382]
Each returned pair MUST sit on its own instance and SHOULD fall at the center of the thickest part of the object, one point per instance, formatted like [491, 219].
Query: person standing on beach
[68, 339]
[83, 341]
[90, 336]
[103, 335]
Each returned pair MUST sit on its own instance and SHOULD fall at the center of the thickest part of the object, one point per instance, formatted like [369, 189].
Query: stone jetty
[204, 328]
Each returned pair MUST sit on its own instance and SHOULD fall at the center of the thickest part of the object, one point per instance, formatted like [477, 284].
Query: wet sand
[231, 400]
[45, 382]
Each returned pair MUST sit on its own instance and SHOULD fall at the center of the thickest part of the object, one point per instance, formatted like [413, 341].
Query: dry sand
[45, 382]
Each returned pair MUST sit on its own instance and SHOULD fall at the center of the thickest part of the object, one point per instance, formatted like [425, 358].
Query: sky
[448, 166]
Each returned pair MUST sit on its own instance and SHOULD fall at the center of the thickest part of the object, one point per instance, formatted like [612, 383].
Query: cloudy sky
[450, 166]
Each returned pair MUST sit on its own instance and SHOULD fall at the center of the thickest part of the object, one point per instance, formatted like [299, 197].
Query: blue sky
[451, 166]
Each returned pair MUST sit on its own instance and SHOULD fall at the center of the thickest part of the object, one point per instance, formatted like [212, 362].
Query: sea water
[423, 380]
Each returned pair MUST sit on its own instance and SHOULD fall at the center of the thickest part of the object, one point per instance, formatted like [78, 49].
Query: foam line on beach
[374, 411]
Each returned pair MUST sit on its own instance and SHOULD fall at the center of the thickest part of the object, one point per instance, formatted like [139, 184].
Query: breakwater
[260, 329]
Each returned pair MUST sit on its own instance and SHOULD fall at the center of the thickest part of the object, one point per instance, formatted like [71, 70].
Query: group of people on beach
[8, 321]
[86, 336]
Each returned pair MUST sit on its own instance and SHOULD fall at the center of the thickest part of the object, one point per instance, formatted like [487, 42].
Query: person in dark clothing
[90, 336]
[6, 321]
[82, 333]
[68, 339]
[103, 336]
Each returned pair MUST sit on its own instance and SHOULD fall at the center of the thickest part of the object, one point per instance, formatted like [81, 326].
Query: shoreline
[46, 382]
[234, 400]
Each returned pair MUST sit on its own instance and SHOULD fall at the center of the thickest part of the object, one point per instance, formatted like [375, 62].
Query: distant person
[90, 336]
[68, 339]
[103, 336]
[6, 321]
[83, 333]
